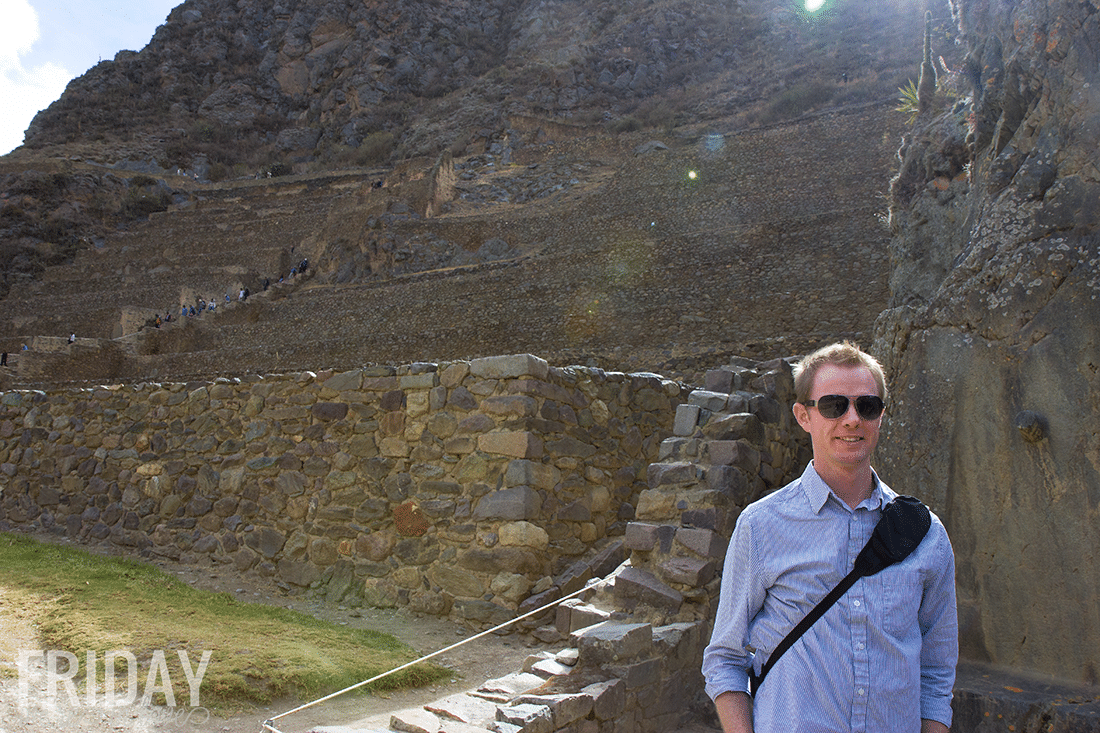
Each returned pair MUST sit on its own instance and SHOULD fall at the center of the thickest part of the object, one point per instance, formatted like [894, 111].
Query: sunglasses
[832, 406]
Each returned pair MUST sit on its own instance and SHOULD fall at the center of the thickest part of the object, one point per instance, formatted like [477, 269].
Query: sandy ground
[491, 656]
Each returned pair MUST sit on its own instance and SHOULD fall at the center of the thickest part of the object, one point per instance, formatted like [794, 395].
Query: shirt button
[860, 646]
[862, 692]
[855, 603]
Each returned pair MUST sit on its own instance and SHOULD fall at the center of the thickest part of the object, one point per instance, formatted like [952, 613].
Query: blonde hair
[839, 354]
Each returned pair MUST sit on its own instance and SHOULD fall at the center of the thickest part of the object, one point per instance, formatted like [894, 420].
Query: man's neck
[852, 487]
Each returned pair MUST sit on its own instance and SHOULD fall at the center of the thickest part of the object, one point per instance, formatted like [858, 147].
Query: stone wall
[459, 488]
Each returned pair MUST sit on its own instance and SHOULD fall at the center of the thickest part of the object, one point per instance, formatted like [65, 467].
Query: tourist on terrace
[882, 658]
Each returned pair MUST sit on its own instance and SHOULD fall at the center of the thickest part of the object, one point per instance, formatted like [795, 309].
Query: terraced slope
[773, 245]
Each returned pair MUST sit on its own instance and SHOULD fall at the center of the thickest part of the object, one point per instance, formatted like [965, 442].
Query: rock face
[276, 79]
[993, 330]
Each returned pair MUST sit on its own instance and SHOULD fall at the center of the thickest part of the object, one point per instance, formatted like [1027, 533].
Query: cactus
[926, 88]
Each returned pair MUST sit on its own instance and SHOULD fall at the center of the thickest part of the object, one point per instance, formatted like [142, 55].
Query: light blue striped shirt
[881, 659]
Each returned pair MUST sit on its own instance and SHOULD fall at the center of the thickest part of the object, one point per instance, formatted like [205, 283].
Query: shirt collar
[818, 492]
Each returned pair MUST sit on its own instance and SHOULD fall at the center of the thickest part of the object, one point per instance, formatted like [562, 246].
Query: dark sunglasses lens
[869, 407]
[833, 406]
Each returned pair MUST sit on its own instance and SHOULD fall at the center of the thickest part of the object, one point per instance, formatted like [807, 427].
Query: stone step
[468, 709]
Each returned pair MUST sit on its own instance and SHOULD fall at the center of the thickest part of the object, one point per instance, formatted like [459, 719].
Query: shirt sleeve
[939, 627]
[726, 660]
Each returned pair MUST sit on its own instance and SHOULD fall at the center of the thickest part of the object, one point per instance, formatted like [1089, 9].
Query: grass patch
[83, 602]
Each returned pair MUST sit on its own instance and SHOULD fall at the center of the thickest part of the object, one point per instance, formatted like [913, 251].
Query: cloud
[25, 90]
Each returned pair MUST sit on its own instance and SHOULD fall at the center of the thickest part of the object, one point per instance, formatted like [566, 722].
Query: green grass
[81, 602]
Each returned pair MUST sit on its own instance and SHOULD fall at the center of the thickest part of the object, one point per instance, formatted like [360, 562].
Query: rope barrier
[269, 724]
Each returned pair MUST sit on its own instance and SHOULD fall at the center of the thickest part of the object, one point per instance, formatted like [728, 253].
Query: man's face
[847, 442]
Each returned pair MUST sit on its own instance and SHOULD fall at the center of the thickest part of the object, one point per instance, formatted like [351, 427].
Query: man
[882, 659]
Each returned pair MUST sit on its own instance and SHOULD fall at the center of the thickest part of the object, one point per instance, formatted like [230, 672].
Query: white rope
[268, 724]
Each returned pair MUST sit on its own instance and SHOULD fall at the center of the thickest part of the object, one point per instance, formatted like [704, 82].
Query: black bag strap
[904, 523]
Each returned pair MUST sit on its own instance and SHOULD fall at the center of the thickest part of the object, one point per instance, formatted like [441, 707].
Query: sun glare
[814, 5]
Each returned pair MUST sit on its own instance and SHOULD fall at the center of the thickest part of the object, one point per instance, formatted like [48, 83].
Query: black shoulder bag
[901, 528]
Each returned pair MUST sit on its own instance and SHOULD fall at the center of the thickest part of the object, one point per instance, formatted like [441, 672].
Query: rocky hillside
[247, 85]
[227, 91]
[993, 329]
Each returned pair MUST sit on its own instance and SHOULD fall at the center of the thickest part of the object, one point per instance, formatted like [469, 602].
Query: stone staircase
[633, 643]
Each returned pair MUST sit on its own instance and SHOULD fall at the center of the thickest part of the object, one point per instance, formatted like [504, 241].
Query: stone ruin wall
[478, 489]
[453, 488]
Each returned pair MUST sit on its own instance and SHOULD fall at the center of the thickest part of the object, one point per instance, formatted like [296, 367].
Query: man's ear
[802, 415]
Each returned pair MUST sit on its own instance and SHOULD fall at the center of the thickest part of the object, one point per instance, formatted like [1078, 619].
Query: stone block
[502, 727]
[414, 720]
[738, 426]
[570, 447]
[574, 577]
[576, 511]
[510, 367]
[510, 685]
[456, 726]
[564, 707]
[613, 642]
[606, 560]
[737, 453]
[679, 643]
[655, 505]
[329, 411]
[668, 474]
[510, 586]
[456, 581]
[648, 537]
[721, 380]
[702, 542]
[730, 481]
[524, 534]
[298, 573]
[635, 586]
[687, 417]
[713, 401]
[574, 615]
[516, 503]
[346, 381]
[548, 668]
[531, 718]
[646, 673]
[534, 659]
[394, 448]
[510, 406]
[515, 444]
[689, 571]
[709, 518]
[678, 450]
[496, 559]
[427, 380]
[608, 699]
[766, 408]
[464, 708]
[531, 473]
[484, 612]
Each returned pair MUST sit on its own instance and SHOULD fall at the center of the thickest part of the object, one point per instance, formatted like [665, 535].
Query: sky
[44, 44]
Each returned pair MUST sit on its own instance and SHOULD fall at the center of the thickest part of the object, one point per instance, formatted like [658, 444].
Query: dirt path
[486, 658]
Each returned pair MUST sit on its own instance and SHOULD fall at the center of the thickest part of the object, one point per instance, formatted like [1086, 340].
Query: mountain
[327, 84]
[249, 135]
